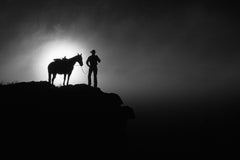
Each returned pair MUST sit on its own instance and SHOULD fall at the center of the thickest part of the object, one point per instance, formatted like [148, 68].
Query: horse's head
[79, 59]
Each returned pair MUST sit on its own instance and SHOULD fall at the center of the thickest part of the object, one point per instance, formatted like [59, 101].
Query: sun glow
[59, 49]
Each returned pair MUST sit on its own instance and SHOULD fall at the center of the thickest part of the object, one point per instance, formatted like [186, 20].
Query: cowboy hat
[93, 51]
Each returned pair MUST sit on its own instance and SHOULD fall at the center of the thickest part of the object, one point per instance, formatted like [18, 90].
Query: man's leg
[89, 76]
[95, 76]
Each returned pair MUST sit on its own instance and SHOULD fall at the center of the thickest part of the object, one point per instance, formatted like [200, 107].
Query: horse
[63, 66]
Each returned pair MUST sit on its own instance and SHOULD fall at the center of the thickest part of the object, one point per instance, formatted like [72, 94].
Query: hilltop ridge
[74, 118]
[42, 96]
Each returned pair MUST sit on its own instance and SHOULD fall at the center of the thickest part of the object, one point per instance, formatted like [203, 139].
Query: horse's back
[60, 67]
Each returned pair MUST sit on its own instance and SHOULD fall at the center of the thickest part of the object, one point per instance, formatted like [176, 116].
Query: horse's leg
[64, 78]
[49, 77]
[68, 78]
[54, 76]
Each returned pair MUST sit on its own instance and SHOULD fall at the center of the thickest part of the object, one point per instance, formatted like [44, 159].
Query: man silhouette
[92, 63]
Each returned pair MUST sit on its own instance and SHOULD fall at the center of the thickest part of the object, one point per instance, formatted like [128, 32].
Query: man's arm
[87, 62]
[98, 59]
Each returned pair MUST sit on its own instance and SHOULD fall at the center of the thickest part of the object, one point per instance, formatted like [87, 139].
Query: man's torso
[93, 60]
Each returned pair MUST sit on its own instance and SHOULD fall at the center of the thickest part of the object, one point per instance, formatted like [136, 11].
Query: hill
[74, 118]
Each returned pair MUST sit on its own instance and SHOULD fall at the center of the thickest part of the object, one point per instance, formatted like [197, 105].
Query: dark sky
[149, 49]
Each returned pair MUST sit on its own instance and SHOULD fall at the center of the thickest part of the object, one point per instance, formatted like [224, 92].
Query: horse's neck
[72, 61]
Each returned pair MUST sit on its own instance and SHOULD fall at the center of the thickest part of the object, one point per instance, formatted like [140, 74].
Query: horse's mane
[63, 59]
[59, 59]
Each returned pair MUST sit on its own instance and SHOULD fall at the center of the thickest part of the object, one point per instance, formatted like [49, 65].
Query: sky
[149, 49]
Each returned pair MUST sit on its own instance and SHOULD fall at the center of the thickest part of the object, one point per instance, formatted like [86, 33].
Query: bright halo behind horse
[60, 49]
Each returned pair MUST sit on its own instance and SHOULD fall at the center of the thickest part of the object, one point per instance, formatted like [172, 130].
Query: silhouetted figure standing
[92, 63]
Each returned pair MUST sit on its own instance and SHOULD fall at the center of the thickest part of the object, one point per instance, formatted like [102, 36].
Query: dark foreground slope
[201, 123]
[69, 119]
